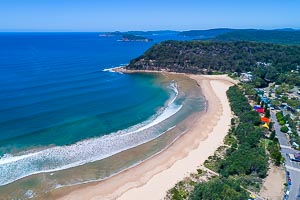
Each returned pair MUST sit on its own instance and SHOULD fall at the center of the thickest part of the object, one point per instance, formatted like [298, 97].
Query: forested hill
[202, 34]
[272, 36]
[210, 56]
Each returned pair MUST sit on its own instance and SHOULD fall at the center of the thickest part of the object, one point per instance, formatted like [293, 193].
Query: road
[291, 166]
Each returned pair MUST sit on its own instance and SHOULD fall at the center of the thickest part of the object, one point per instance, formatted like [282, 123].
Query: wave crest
[57, 158]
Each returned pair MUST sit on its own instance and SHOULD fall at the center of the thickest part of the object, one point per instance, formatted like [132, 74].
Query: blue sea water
[54, 93]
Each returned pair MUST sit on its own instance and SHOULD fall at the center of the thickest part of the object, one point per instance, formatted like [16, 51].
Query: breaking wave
[57, 158]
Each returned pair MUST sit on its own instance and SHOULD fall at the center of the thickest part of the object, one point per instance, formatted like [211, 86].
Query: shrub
[274, 149]
[272, 135]
[232, 121]
[284, 129]
[282, 122]
[226, 189]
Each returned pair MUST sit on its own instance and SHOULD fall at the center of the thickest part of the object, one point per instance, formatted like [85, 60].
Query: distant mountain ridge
[139, 33]
[280, 36]
[210, 33]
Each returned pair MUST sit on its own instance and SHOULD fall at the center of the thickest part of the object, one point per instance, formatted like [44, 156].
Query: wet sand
[152, 178]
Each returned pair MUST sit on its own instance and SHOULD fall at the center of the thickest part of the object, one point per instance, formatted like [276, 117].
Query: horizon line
[141, 30]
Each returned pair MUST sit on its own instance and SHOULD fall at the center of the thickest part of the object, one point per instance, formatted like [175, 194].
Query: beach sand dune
[154, 177]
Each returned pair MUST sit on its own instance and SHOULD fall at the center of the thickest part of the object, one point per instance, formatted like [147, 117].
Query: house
[260, 110]
[256, 107]
[246, 77]
[265, 120]
[263, 64]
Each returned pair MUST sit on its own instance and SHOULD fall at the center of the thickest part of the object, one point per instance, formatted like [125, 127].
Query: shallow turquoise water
[55, 96]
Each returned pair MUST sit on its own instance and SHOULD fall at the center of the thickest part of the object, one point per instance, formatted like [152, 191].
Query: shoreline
[181, 157]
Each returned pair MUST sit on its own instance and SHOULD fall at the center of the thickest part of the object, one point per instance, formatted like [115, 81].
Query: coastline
[182, 157]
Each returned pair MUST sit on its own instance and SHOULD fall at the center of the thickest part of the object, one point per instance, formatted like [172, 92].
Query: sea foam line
[112, 69]
[13, 168]
[132, 166]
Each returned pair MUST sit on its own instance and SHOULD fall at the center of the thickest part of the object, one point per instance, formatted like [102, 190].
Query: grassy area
[212, 162]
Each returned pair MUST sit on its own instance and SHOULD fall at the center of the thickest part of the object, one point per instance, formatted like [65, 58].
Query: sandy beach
[154, 177]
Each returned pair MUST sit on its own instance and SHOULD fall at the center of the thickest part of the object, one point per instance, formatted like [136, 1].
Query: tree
[271, 74]
[276, 155]
[219, 188]
[258, 100]
[232, 121]
[275, 103]
[259, 82]
[262, 104]
[272, 135]
[246, 160]
[294, 103]
[249, 90]
[274, 150]
[266, 107]
[214, 56]
[271, 126]
[267, 113]
[284, 129]
[247, 133]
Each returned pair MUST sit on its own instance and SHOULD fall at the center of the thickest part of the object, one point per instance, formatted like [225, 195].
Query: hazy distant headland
[280, 36]
[135, 36]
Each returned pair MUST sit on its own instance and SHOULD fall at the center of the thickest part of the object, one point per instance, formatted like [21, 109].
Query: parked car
[289, 181]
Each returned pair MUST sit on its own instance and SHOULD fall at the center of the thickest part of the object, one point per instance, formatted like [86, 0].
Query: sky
[113, 15]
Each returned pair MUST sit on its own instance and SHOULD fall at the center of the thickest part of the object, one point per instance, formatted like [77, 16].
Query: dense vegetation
[250, 157]
[272, 36]
[131, 37]
[245, 161]
[219, 189]
[280, 118]
[211, 33]
[292, 129]
[274, 150]
[266, 61]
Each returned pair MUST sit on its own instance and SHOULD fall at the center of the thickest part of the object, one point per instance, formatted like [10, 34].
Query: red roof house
[260, 110]
[265, 119]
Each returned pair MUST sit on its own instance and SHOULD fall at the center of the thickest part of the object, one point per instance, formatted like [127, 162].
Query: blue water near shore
[55, 96]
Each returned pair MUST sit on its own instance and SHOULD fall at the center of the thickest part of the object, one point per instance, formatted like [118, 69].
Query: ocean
[62, 107]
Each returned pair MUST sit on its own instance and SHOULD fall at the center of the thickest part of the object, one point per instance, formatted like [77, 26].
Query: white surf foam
[112, 69]
[13, 168]
[136, 164]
